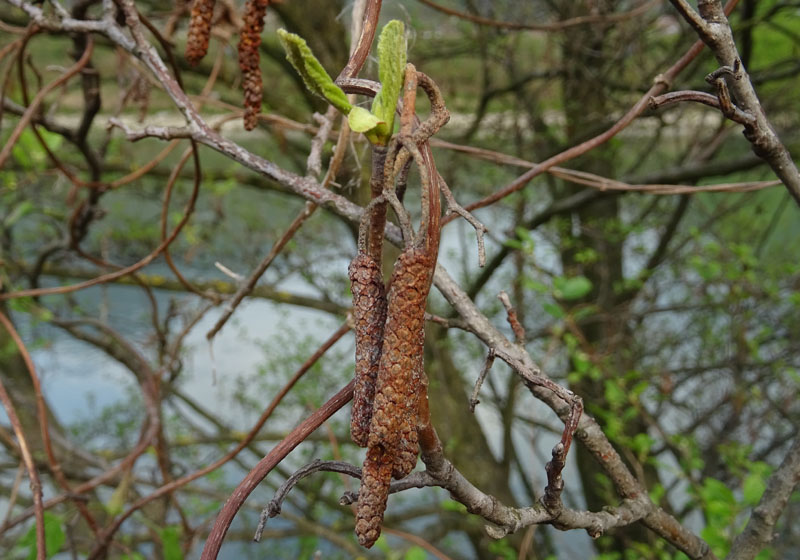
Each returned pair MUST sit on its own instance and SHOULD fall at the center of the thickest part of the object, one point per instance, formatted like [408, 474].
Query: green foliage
[28, 151]
[452, 505]
[415, 553]
[724, 511]
[314, 75]
[116, 503]
[361, 120]
[524, 241]
[391, 70]
[54, 537]
[720, 510]
[170, 543]
[571, 288]
[378, 124]
[502, 549]
[308, 546]
[19, 211]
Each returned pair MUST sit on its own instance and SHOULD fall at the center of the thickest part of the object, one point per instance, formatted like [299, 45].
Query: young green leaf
[54, 537]
[361, 120]
[391, 69]
[314, 75]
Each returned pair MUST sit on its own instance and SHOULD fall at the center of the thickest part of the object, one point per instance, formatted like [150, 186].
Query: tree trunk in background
[462, 436]
[588, 55]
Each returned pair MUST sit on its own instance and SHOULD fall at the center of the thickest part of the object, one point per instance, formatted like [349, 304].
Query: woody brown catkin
[199, 30]
[249, 60]
[369, 314]
[392, 438]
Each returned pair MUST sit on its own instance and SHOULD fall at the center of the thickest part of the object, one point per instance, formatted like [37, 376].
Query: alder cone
[369, 313]
[393, 440]
[199, 30]
[400, 373]
[375, 478]
[249, 60]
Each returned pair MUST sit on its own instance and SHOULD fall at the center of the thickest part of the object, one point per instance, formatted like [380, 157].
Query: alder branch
[712, 26]
[588, 431]
[759, 530]
[220, 287]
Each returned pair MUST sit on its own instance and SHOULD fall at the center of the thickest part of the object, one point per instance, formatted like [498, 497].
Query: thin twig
[263, 468]
[513, 320]
[710, 21]
[34, 105]
[554, 26]
[487, 365]
[33, 475]
[44, 423]
[759, 529]
[273, 509]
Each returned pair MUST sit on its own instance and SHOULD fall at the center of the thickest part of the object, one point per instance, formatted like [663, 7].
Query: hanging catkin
[249, 60]
[369, 313]
[199, 30]
[392, 442]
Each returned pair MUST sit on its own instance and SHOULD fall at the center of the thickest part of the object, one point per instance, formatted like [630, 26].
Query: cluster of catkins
[249, 43]
[390, 338]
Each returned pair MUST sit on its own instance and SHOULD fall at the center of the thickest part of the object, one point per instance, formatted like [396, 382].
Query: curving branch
[711, 24]
[758, 532]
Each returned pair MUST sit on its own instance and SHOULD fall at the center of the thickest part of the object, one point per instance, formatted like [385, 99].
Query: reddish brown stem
[41, 413]
[364, 45]
[27, 459]
[263, 468]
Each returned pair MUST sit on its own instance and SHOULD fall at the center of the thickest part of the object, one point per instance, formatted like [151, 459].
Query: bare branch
[759, 530]
[712, 26]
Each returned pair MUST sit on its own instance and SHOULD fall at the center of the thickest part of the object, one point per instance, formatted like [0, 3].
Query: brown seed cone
[400, 373]
[369, 311]
[249, 60]
[199, 30]
[408, 449]
[407, 452]
[393, 440]
[375, 479]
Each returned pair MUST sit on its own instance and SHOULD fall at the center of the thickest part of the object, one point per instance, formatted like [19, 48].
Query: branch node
[496, 533]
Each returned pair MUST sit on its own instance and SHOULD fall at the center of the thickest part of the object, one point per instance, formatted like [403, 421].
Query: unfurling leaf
[361, 120]
[314, 75]
[391, 69]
